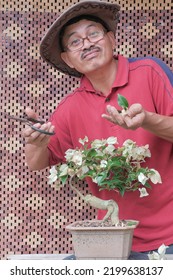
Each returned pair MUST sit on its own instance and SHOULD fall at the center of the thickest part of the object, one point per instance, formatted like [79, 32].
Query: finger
[46, 132]
[51, 128]
[114, 115]
[134, 122]
[118, 121]
[27, 132]
[36, 138]
[134, 110]
[31, 113]
[40, 127]
[46, 129]
[32, 136]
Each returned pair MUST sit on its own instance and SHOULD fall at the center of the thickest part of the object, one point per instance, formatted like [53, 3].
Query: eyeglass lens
[93, 37]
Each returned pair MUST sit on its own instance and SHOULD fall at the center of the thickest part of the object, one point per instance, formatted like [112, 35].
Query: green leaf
[101, 177]
[91, 153]
[118, 161]
[122, 102]
[64, 179]
[131, 223]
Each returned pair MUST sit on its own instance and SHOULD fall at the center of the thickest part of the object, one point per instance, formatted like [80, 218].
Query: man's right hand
[36, 152]
[35, 137]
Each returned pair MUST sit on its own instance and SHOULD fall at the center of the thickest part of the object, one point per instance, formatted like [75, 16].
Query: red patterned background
[33, 214]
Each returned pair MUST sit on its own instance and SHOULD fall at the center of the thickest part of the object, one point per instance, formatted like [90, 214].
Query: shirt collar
[121, 78]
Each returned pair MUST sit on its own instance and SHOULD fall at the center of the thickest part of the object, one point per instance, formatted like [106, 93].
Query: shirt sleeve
[162, 90]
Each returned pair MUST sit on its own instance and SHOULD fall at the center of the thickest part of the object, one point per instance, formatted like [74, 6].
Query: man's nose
[86, 43]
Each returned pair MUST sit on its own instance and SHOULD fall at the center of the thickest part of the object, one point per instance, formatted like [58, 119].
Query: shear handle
[34, 120]
[42, 131]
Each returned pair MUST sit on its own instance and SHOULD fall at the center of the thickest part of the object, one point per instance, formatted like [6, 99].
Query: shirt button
[107, 99]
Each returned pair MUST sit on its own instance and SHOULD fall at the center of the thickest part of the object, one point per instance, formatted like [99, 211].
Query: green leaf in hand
[122, 102]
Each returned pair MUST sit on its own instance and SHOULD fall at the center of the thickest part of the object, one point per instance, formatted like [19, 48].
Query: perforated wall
[33, 214]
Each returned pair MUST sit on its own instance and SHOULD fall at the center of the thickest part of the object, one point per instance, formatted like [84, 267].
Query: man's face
[88, 57]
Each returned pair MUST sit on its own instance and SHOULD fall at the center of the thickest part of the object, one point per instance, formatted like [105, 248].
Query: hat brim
[50, 49]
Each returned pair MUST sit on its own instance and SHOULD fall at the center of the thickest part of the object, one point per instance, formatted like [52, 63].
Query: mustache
[85, 51]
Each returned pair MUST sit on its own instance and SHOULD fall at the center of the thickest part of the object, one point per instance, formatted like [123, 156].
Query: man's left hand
[132, 118]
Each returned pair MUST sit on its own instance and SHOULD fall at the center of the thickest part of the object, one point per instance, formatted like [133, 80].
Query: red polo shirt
[146, 81]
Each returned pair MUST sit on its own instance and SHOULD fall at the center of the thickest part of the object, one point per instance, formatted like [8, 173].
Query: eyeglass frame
[66, 48]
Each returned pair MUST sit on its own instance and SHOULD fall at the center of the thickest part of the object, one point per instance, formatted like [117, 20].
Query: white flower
[74, 156]
[153, 256]
[109, 149]
[100, 153]
[69, 154]
[71, 172]
[142, 178]
[77, 158]
[53, 175]
[135, 152]
[128, 143]
[141, 152]
[103, 163]
[63, 170]
[128, 146]
[98, 143]
[94, 180]
[162, 250]
[123, 112]
[112, 140]
[83, 141]
[160, 254]
[82, 171]
[143, 192]
[155, 177]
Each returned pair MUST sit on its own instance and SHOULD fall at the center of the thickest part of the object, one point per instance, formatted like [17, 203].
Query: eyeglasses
[76, 44]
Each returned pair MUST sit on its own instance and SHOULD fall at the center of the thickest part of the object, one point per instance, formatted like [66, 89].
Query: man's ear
[66, 59]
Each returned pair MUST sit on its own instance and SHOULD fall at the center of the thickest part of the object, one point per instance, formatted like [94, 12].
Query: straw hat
[50, 48]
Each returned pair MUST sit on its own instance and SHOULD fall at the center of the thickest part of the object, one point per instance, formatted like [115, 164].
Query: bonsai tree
[110, 166]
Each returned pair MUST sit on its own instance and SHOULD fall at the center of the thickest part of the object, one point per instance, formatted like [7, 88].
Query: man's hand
[35, 137]
[36, 152]
[132, 118]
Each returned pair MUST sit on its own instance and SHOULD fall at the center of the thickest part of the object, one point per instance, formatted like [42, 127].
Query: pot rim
[73, 226]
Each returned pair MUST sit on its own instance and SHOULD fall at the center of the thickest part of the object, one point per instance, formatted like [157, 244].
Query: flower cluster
[109, 166]
[160, 254]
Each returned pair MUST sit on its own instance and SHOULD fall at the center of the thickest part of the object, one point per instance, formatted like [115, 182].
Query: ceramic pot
[110, 242]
